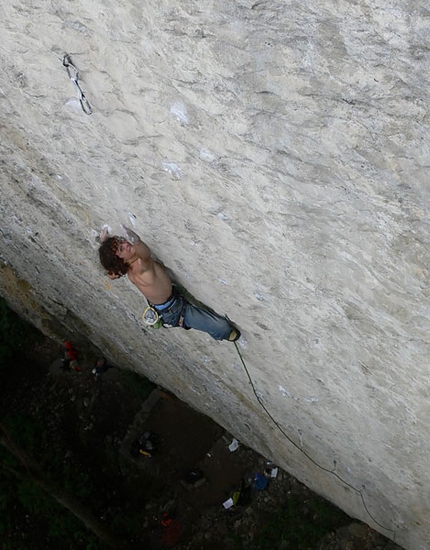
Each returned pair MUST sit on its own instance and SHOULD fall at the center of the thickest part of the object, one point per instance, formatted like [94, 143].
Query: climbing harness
[73, 74]
[153, 314]
[307, 455]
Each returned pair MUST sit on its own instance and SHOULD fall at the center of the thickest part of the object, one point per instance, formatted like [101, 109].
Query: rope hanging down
[298, 447]
[73, 74]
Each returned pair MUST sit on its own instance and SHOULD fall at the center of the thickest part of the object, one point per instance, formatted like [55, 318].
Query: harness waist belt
[169, 302]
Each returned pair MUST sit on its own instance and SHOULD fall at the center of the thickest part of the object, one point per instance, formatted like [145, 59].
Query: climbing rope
[332, 472]
[73, 74]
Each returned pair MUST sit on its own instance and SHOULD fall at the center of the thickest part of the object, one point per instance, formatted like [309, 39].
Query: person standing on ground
[132, 257]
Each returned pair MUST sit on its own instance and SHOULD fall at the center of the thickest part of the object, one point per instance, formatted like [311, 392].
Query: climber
[131, 256]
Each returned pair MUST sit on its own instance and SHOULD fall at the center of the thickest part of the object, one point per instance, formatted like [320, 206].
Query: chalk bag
[151, 318]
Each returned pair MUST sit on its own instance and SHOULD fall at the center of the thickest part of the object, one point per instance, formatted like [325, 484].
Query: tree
[26, 468]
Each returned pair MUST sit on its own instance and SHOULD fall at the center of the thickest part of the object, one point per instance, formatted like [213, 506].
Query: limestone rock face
[274, 154]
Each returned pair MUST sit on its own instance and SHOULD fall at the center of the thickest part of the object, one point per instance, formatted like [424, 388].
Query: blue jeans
[183, 314]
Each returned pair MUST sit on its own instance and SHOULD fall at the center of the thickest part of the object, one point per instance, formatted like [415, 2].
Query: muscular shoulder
[141, 270]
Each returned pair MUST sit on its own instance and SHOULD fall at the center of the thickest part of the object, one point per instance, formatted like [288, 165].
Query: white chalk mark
[284, 392]
[131, 218]
[242, 342]
[74, 106]
[173, 169]
[206, 155]
[179, 111]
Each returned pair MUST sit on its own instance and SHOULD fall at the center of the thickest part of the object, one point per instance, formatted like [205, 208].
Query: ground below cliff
[83, 429]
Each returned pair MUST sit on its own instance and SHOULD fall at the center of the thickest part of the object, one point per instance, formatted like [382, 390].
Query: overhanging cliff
[274, 156]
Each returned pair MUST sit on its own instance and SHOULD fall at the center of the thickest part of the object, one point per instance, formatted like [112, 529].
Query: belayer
[132, 257]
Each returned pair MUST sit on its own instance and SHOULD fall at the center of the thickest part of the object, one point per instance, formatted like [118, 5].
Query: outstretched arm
[142, 249]
[131, 236]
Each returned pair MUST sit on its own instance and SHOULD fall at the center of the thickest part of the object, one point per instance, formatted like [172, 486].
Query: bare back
[150, 277]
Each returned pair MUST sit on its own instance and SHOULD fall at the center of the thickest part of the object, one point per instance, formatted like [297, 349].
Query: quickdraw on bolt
[73, 74]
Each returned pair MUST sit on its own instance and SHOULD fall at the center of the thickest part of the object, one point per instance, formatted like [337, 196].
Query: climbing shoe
[234, 335]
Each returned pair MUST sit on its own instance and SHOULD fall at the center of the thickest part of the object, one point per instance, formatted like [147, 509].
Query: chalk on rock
[179, 111]
[74, 106]
[173, 169]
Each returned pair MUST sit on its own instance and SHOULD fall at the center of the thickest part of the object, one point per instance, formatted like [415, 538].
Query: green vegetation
[42, 464]
[21, 490]
[299, 525]
[25, 453]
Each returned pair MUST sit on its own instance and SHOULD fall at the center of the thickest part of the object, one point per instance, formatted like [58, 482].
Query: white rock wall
[274, 155]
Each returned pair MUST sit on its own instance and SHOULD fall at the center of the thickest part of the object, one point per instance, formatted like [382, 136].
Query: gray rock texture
[274, 155]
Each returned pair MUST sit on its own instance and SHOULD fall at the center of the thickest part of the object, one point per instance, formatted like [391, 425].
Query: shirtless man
[131, 256]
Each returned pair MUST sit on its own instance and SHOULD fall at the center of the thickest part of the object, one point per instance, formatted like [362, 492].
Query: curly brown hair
[108, 258]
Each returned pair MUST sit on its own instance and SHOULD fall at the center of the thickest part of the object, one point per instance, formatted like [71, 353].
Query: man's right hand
[131, 236]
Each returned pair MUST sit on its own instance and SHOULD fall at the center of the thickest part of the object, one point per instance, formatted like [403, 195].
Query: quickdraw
[73, 74]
